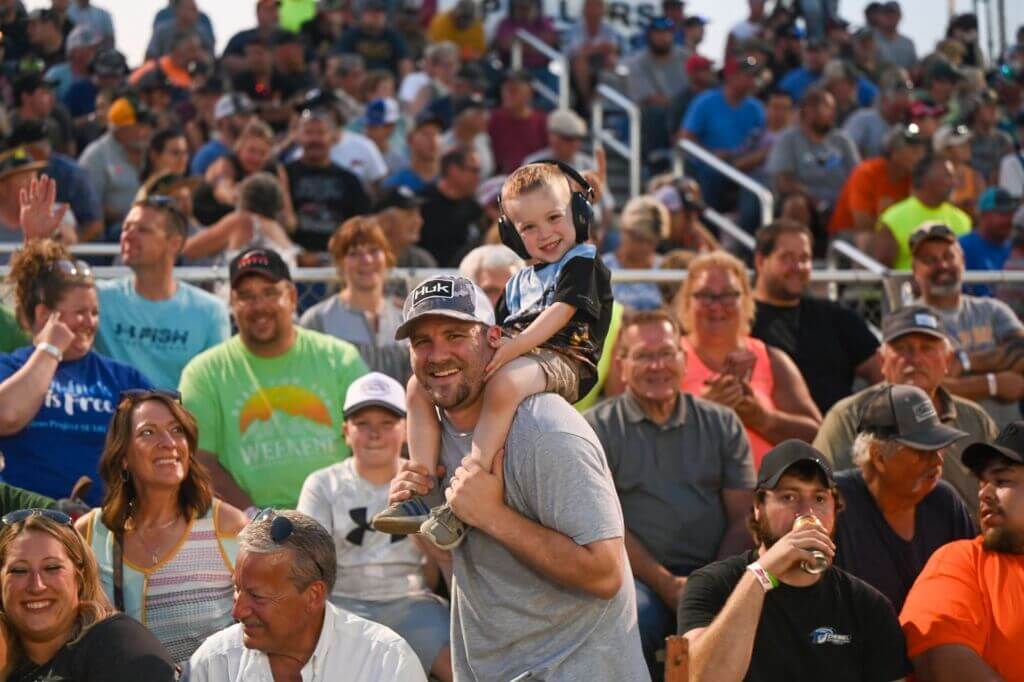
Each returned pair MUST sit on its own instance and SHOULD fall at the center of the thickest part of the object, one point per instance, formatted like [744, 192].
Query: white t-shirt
[1011, 174]
[411, 86]
[371, 565]
[358, 154]
[349, 648]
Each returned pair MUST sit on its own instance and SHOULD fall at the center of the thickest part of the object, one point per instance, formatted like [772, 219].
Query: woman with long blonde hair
[58, 623]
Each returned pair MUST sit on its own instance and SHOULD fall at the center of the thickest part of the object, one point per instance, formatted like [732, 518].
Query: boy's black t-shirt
[118, 649]
[805, 330]
[324, 197]
[868, 547]
[839, 629]
[583, 281]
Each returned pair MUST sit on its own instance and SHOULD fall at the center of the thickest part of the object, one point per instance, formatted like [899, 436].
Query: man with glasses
[682, 468]
[451, 213]
[287, 628]
[150, 319]
[269, 400]
[987, 336]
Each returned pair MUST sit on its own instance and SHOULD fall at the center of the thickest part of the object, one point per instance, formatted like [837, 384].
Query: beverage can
[820, 562]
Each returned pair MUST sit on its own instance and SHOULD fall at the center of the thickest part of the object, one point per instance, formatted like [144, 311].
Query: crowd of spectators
[242, 432]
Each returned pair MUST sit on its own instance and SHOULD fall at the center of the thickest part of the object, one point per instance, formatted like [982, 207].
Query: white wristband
[965, 361]
[993, 385]
[767, 581]
[52, 350]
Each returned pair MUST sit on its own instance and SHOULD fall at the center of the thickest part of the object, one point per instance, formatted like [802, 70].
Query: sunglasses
[170, 204]
[20, 515]
[281, 528]
[137, 394]
[69, 268]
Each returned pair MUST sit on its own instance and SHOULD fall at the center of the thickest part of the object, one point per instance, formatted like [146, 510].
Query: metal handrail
[839, 248]
[631, 151]
[83, 249]
[762, 193]
[559, 66]
[730, 228]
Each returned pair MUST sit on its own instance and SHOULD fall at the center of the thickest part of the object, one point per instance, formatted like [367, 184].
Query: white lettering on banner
[627, 17]
[267, 452]
[70, 403]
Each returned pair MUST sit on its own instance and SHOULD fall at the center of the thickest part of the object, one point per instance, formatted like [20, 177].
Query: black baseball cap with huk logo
[448, 296]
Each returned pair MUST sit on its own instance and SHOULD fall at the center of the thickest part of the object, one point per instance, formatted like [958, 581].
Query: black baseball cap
[779, 459]
[1009, 444]
[448, 296]
[398, 197]
[914, 319]
[266, 263]
[906, 414]
[30, 82]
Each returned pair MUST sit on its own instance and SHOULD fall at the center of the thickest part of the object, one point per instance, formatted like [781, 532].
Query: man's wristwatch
[51, 349]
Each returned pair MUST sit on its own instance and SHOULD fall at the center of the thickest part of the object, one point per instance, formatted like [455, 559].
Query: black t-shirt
[868, 547]
[584, 282]
[280, 87]
[450, 226]
[826, 341]
[324, 197]
[838, 629]
[117, 649]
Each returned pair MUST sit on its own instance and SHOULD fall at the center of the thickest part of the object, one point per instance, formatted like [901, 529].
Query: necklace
[154, 552]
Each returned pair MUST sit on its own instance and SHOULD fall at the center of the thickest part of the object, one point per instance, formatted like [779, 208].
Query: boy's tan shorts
[561, 373]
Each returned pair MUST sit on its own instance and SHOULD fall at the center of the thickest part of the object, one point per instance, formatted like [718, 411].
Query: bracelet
[768, 581]
[251, 511]
[51, 350]
[993, 385]
[965, 361]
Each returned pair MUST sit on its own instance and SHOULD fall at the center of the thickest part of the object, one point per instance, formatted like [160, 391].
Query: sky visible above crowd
[923, 20]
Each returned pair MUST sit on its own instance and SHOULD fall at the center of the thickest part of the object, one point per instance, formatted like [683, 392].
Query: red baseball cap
[696, 62]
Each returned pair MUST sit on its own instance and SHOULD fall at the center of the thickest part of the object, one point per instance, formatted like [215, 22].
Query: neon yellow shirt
[605, 363]
[902, 219]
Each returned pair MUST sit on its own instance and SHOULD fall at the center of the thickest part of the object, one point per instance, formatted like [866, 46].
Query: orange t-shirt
[762, 383]
[970, 596]
[868, 190]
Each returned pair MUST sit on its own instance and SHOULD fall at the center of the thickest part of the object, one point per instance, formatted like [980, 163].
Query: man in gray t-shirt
[540, 586]
[813, 156]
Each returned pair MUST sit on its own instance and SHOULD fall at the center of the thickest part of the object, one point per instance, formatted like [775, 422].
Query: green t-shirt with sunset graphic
[272, 421]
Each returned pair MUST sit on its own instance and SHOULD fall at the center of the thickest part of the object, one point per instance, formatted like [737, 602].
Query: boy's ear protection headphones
[582, 212]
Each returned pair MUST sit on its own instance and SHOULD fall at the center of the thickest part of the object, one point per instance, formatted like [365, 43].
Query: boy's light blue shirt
[532, 289]
[159, 337]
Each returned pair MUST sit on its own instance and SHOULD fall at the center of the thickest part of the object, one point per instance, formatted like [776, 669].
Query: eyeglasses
[20, 515]
[281, 528]
[662, 357]
[140, 394]
[727, 298]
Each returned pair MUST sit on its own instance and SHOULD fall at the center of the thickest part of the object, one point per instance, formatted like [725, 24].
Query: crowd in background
[375, 137]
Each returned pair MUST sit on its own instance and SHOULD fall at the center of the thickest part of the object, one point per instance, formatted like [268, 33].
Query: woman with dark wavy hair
[166, 548]
[56, 620]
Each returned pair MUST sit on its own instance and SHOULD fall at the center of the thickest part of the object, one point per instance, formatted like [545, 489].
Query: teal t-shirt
[159, 337]
[273, 421]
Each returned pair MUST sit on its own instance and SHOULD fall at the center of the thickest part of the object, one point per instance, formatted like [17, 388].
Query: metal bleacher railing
[630, 151]
[559, 66]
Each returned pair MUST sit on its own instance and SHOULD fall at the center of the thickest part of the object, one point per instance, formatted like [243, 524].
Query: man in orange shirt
[964, 617]
[877, 183]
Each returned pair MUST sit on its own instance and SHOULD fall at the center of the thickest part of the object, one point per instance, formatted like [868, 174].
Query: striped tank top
[186, 597]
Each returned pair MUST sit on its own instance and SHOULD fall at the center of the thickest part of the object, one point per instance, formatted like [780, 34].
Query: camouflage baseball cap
[446, 295]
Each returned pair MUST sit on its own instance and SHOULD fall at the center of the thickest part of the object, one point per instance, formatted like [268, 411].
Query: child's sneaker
[443, 529]
[405, 518]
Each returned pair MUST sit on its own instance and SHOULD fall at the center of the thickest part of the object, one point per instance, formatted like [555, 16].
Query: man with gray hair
[898, 511]
[867, 127]
[490, 267]
[287, 628]
[541, 586]
[915, 352]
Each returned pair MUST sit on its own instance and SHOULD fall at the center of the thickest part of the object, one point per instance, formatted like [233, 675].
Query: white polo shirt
[349, 648]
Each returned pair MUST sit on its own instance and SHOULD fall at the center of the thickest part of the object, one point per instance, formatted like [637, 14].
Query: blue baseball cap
[998, 200]
[660, 24]
[382, 111]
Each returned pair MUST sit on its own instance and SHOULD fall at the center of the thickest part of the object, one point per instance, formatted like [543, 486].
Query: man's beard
[780, 292]
[1003, 540]
[944, 288]
[660, 50]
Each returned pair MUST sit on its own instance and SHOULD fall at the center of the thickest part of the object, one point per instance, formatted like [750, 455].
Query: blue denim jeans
[656, 622]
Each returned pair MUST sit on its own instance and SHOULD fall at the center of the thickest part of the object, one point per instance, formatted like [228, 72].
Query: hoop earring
[125, 475]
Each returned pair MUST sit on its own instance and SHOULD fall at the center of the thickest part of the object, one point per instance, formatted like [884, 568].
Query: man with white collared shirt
[285, 571]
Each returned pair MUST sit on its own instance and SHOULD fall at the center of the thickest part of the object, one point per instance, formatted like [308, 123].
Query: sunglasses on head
[281, 528]
[144, 393]
[169, 204]
[20, 515]
[70, 268]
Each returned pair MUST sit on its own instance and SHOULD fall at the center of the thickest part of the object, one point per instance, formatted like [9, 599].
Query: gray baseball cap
[446, 295]
[915, 319]
[906, 414]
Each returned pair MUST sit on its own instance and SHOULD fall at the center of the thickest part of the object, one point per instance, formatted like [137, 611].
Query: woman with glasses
[56, 395]
[166, 548]
[58, 623]
[361, 313]
[727, 365]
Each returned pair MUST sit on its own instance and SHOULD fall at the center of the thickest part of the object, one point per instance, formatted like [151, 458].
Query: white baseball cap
[230, 104]
[374, 390]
